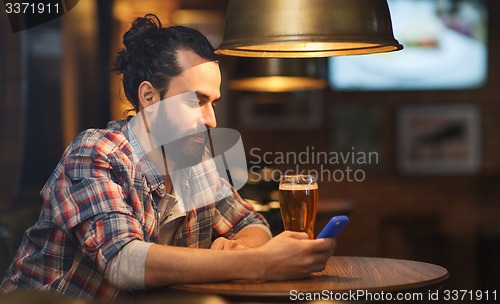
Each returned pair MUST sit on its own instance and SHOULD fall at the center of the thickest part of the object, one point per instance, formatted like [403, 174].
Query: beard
[187, 151]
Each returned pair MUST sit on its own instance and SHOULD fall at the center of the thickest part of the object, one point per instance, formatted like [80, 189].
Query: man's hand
[249, 237]
[292, 255]
[222, 243]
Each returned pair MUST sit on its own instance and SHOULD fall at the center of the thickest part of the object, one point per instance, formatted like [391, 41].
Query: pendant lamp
[307, 28]
[279, 74]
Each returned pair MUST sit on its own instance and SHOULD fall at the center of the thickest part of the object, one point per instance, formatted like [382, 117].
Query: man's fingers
[218, 244]
[297, 235]
[319, 261]
[231, 245]
[326, 244]
[222, 243]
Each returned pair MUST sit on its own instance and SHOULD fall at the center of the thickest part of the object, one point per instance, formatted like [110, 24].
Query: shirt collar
[153, 177]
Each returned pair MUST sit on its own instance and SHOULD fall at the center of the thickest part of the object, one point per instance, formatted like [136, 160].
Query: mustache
[196, 131]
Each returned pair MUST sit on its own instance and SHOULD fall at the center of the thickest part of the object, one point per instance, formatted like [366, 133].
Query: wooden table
[343, 275]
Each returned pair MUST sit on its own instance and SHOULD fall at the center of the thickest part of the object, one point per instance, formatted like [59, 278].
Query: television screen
[445, 47]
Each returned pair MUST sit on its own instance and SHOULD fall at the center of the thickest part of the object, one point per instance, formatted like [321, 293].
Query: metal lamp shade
[279, 75]
[307, 28]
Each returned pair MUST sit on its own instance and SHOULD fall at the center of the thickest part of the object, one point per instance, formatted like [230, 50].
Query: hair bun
[139, 33]
[141, 28]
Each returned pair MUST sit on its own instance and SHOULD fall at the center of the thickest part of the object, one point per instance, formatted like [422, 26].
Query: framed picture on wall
[441, 139]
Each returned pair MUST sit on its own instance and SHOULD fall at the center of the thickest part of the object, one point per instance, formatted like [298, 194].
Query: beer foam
[298, 187]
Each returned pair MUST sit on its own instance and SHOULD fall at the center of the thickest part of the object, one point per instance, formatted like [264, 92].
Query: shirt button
[162, 186]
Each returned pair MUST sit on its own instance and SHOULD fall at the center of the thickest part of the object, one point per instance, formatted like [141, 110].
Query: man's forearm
[166, 265]
[203, 265]
[253, 236]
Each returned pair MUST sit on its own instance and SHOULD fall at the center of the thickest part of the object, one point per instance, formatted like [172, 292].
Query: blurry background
[433, 120]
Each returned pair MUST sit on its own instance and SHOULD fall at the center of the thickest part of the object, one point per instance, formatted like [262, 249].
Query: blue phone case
[334, 227]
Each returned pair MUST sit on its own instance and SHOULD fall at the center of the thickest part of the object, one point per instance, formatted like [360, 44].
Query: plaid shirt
[98, 200]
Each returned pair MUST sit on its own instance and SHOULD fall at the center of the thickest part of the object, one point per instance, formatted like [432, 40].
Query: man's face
[203, 77]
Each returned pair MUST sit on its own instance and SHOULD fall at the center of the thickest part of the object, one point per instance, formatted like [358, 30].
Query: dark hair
[150, 54]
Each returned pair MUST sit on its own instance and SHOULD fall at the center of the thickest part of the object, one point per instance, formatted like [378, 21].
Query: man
[112, 223]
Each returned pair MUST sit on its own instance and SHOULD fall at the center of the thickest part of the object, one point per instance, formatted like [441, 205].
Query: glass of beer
[299, 202]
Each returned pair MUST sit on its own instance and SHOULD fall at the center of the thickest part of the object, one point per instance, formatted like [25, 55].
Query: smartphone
[334, 227]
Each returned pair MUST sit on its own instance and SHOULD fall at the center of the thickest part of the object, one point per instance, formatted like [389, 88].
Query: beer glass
[299, 202]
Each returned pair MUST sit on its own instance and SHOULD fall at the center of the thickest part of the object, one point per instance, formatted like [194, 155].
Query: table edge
[425, 285]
